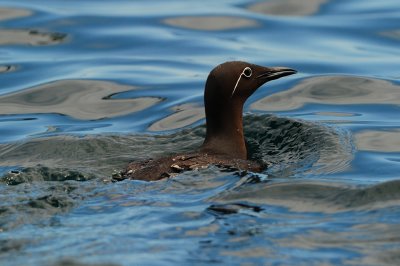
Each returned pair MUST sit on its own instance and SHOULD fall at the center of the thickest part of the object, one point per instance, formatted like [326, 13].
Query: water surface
[88, 86]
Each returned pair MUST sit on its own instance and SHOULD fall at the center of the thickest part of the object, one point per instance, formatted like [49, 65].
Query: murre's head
[227, 88]
[236, 80]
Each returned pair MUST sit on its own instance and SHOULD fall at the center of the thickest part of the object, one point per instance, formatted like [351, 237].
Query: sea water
[88, 86]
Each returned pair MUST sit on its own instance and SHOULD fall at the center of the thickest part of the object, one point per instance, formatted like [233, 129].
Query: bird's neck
[225, 131]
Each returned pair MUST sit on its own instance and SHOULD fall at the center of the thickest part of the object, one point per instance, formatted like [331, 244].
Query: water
[87, 86]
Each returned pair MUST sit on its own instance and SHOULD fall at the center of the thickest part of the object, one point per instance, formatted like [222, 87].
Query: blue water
[88, 86]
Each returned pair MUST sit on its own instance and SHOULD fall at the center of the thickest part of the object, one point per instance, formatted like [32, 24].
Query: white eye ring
[247, 72]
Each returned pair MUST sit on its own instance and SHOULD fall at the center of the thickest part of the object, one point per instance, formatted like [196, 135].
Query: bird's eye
[247, 72]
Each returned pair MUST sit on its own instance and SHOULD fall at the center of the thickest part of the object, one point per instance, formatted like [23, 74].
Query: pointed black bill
[272, 73]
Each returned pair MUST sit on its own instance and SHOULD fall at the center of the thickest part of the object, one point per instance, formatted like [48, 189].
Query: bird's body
[227, 88]
[166, 167]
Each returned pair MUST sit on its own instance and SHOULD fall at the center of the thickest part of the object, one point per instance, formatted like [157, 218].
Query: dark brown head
[227, 88]
[236, 81]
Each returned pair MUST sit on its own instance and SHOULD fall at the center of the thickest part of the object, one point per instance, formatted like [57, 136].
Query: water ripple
[332, 90]
[288, 7]
[30, 37]
[89, 85]
[211, 23]
[82, 99]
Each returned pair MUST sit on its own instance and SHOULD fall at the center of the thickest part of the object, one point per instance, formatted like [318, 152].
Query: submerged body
[227, 88]
[166, 167]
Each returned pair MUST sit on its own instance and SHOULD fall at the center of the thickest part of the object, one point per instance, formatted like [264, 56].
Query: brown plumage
[156, 169]
[227, 88]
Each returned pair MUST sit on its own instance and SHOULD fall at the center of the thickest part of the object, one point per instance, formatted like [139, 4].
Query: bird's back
[156, 169]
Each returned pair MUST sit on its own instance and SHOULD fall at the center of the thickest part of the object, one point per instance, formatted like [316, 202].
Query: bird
[227, 88]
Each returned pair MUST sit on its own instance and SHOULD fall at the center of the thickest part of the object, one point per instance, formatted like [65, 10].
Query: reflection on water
[184, 116]
[127, 77]
[395, 34]
[211, 22]
[378, 141]
[366, 240]
[288, 7]
[305, 196]
[337, 114]
[30, 37]
[332, 90]
[82, 99]
[11, 13]
[7, 68]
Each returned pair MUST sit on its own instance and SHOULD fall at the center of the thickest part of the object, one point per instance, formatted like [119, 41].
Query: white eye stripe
[247, 72]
